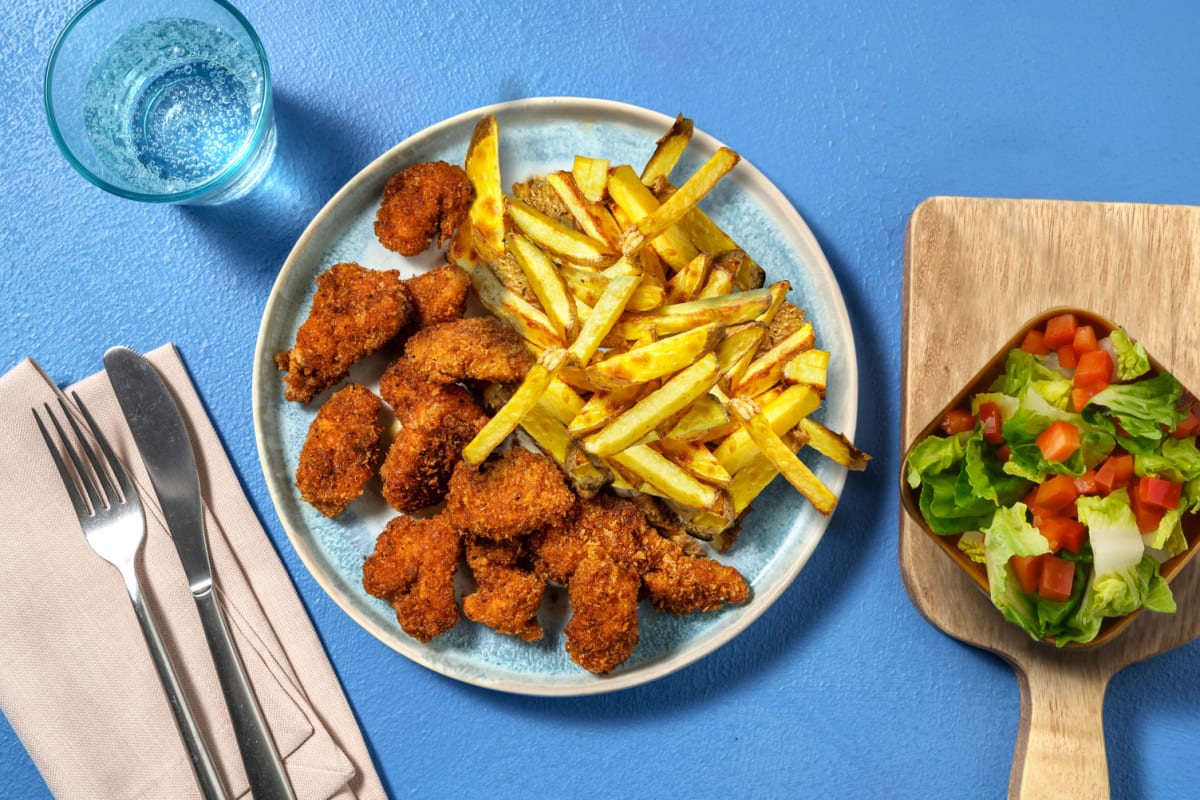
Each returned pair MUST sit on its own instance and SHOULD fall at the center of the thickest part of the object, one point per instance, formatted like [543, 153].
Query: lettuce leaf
[1132, 360]
[1011, 535]
[1138, 414]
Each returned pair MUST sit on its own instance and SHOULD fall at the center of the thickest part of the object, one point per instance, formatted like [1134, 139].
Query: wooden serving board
[975, 270]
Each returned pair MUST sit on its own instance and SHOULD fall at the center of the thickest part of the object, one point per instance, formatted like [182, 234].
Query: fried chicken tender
[439, 295]
[412, 568]
[420, 203]
[405, 389]
[341, 451]
[355, 312]
[681, 584]
[516, 494]
[509, 594]
[610, 525]
[603, 629]
[473, 348]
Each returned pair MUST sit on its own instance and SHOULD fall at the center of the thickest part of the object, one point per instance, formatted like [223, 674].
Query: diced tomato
[1063, 533]
[1094, 370]
[1035, 343]
[1159, 492]
[1067, 357]
[1080, 397]
[1028, 570]
[1085, 339]
[1059, 441]
[957, 420]
[1086, 483]
[1060, 331]
[1057, 493]
[1115, 473]
[1190, 425]
[989, 419]
[1057, 578]
[1031, 502]
[1004, 452]
[1147, 516]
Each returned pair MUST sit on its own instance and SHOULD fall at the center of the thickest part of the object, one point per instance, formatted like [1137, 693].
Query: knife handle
[206, 771]
[264, 768]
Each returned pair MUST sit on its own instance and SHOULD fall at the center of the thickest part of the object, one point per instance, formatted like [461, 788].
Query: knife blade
[162, 440]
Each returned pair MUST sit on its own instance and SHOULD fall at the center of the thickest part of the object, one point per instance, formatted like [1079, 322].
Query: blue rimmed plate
[536, 137]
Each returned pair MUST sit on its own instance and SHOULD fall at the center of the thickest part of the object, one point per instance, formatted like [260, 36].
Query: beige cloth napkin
[76, 680]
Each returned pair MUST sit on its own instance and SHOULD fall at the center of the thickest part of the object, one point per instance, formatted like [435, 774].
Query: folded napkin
[77, 682]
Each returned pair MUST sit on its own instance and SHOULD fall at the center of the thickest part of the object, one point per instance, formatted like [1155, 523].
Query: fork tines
[90, 486]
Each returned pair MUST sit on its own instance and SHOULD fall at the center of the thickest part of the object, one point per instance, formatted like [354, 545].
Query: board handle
[1060, 739]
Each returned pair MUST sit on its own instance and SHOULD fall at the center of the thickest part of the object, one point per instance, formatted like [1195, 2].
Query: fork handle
[202, 761]
[264, 768]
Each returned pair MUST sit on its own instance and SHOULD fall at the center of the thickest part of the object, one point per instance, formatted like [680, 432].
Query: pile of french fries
[657, 367]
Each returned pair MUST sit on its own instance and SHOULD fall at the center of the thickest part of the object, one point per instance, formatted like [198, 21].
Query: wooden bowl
[910, 497]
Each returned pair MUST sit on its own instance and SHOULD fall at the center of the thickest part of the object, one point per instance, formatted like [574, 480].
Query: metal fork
[114, 524]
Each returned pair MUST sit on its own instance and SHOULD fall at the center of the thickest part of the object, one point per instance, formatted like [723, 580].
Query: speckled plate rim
[792, 520]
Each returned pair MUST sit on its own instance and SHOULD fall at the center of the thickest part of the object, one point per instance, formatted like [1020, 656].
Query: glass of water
[163, 101]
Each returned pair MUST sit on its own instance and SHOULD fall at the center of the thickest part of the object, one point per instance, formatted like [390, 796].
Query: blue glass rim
[261, 126]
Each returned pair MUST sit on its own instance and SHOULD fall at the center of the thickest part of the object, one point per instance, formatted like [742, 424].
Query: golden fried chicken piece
[603, 629]
[413, 568]
[474, 348]
[509, 595]
[409, 394]
[518, 493]
[439, 295]
[610, 524]
[420, 203]
[681, 584]
[341, 451]
[355, 312]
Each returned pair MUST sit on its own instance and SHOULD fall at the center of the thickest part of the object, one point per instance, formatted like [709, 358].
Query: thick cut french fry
[587, 285]
[778, 453]
[643, 419]
[719, 282]
[486, 215]
[669, 479]
[591, 176]
[696, 459]
[511, 413]
[737, 349]
[699, 184]
[705, 419]
[546, 283]
[592, 218]
[561, 401]
[834, 446]
[557, 238]
[767, 369]
[637, 202]
[604, 316]
[686, 284]
[752, 479]
[655, 360]
[782, 414]
[810, 367]
[549, 433]
[525, 319]
[708, 236]
[668, 150]
[727, 309]
[605, 406]
[779, 291]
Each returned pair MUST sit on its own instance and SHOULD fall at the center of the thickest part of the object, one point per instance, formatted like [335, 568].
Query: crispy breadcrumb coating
[509, 595]
[439, 295]
[409, 394]
[518, 493]
[341, 452]
[473, 348]
[609, 524]
[603, 629]
[420, 203]
[681, 584]
[355, 312]
[413, 568]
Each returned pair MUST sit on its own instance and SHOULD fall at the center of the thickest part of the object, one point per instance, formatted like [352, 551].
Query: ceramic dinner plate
[538, 136]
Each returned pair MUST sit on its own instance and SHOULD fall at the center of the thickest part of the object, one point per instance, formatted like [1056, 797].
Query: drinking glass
[165, 101]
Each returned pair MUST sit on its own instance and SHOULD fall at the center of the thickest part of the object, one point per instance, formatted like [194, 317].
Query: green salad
[1070, 478]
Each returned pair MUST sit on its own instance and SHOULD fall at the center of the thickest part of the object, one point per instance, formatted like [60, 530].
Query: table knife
[162, 440]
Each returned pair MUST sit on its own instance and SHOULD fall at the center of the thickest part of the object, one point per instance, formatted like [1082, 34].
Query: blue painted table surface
[857, 111]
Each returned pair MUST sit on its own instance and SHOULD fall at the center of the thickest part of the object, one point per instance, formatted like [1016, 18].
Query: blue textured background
[857, 114]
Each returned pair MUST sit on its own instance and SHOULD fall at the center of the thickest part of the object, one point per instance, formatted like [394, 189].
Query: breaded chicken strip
[341, 451]
[473, 348]
[681, 584]
[439, 295]
[420, 203]
[355, 312]
[413, 568]
[409, 394]
[518, 493]
[610, 524]
[509, 595]
[603, 629]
